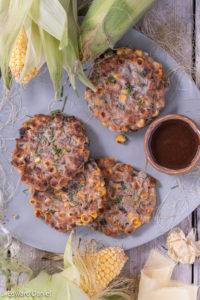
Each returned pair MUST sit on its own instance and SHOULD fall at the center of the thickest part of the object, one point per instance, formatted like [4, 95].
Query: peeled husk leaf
[52, 18]
[57, 285]
[71, 61]
[105, 23]
[34, 53]
[182, 248]
[54, 60]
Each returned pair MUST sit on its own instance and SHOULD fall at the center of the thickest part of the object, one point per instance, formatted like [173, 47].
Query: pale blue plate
[177, 196]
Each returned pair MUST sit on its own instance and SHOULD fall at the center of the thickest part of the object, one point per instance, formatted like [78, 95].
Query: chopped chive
[51, 211]
[111, 79]
[55, 112]
[65, 101]
[129, 88]
[139, 102]
[57, 150]
[123, 185]
[25, 191]
[118, 199]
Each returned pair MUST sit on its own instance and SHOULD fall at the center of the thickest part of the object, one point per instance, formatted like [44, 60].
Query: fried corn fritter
[79, 203]
[130, 200]
[130, 89]
[51, 150]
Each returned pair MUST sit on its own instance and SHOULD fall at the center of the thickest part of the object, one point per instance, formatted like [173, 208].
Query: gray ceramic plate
[177, 196]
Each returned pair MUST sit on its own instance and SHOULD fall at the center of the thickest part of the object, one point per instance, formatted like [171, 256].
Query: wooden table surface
[177, 21]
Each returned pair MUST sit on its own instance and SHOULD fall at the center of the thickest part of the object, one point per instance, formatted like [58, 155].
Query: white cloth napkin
[156, 283]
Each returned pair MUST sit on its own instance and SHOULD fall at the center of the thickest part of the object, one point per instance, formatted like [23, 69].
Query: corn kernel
[103, 192]
[121, 139]
[137, 222]
[37, 160]
[140, 61]
[140, 123]
[130, 216]
[156, 113]
[117, 76]
[124, 91]
[18, 57]
[94, 215]
[138, 52]
[107, 264]
[143, 195]
[98, 101]
[124, 51]
[122, 98]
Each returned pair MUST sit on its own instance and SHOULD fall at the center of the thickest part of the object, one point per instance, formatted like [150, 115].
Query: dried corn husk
[105, 23]
[182, 248]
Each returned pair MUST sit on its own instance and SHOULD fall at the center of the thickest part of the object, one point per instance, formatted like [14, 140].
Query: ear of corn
[18, 59]
[105, 23]
[105, 266]
[52, 35]
[39, 31]
[12, 20]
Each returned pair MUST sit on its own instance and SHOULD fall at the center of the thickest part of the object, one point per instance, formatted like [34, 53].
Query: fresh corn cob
[18, 57]
[105, 23]
[107, 265]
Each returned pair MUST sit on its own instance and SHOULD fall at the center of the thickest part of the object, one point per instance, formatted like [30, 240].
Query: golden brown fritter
[130, 200]
[51, 150]
[130, 89]
[79, 203]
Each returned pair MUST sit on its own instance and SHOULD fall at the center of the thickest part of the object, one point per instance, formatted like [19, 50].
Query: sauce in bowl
[172, 144]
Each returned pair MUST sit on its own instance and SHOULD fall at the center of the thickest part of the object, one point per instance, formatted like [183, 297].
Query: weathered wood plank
[196, 269]
[168, 20]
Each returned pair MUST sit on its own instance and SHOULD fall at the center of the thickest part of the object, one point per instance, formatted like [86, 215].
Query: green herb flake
[118, 199]
[55, 112]
[111, 79]
[129, 88]
[51, 211]
[143, 73]
[57, 150]
[139, 102]
[123, 185]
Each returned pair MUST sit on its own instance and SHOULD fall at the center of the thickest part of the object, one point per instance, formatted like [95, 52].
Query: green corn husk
[52, 33]
[105, 23]
[34, 54]
[71, 61]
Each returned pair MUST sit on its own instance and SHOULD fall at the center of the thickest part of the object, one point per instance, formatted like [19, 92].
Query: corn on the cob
[107, 264]
[106, 22]
[18, 57]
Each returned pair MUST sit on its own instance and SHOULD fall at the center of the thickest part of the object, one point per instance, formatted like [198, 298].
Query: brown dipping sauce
[174, 144]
